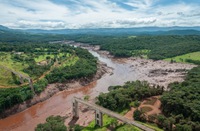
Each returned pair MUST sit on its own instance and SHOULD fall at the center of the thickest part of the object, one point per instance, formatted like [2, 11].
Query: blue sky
[73, 14]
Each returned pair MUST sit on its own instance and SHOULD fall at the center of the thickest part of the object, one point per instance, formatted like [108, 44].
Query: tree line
[120, 97]
[159, 47]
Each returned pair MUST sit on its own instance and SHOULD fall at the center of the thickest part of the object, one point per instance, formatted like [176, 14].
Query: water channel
[60, 103]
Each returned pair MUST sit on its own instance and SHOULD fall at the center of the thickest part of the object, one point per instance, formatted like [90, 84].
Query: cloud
[59, 14]
[140, 4]
[136, 21]
[23, 24]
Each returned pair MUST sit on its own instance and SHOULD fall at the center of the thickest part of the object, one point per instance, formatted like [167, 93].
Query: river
[60, 103]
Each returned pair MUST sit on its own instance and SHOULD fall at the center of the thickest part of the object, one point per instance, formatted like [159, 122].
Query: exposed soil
[124, 69]
[155, 108]
[160, 72]
[86, 115]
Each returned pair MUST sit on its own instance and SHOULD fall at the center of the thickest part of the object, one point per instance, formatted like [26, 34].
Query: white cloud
[38, 24]
[96, 14]
[140, 4]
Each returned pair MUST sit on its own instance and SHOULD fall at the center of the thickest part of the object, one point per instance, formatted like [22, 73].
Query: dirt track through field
[155, 108]
[41, 77]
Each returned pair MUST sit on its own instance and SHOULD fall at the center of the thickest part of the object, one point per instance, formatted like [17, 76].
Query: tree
[139, 115]
[53, 123]
[184, 127]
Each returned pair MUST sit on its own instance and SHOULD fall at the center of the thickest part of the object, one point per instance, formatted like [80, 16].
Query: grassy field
[182, 58]
[109, 122]
[43, 57]
[6, 78]
[142, 53]
[69, 62]
[5, 60]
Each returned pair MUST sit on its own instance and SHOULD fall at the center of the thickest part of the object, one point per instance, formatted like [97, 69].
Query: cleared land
[43, 57]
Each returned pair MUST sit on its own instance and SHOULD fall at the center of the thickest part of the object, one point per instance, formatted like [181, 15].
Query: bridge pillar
[75, 109]
[31, 85]
[98, 118]
[21, 80]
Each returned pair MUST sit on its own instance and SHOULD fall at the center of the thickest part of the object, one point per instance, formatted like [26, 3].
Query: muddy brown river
[123, 70]
[60, 103]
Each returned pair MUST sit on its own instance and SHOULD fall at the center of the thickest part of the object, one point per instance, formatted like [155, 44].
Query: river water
[60, 103]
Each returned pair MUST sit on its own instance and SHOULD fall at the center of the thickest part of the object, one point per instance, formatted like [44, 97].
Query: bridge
[22, 77]
[99, 111]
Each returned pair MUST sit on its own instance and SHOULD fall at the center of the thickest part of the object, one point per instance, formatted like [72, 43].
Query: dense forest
[84, 67]
[182, 101]
[155, 47]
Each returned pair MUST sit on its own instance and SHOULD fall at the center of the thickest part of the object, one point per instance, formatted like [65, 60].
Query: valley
[124, 67]
[106, 65]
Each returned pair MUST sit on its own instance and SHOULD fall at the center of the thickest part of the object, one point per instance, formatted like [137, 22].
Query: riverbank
[158, 72]
[121, 71]
[52, 89]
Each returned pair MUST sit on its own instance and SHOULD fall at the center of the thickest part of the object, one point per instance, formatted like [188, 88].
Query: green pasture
[5, 60]
[69, 62]
[142, 53]
[107, 122]
[40, 58]
[6, 78]
[112, 122]
[182, 58]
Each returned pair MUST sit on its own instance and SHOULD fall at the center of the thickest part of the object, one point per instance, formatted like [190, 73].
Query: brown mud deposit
[122, 70]
[160, 72]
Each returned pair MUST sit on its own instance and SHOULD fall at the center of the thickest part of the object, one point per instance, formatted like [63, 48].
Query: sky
[78, 14]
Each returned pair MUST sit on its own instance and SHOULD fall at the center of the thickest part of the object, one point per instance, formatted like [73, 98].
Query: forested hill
[111, 31]
[9, 35]
[153, 47]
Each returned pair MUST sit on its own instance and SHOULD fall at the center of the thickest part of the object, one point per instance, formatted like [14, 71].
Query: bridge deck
[113, 114]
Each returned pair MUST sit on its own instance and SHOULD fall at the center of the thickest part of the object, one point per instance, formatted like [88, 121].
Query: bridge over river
[99, 111]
